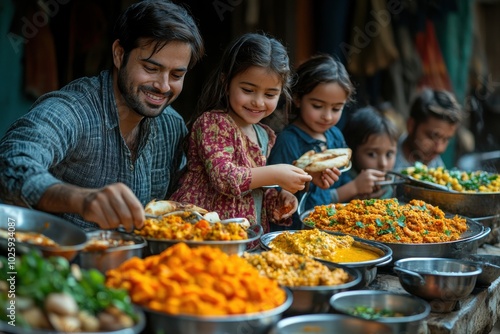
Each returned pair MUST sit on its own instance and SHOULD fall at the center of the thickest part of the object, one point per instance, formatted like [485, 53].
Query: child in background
[320, 93]
[228, 146]
[435, 116]
[373, 139]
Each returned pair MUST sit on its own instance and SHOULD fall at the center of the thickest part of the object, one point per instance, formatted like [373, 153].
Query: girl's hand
[291, 178]
[327, 178]
[365, 181]
[287, 206]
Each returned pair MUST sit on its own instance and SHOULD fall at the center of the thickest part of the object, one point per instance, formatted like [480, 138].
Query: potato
[61, 303]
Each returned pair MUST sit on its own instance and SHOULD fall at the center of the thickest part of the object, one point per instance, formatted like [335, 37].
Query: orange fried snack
[196, 281]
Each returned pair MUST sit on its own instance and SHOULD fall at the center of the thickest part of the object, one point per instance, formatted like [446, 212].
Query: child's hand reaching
[291, 178]
[287, 205]
[365, 181]
[327, 178]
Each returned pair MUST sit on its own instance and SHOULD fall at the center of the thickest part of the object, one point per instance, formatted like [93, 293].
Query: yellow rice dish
[386, 220]
[294, 270]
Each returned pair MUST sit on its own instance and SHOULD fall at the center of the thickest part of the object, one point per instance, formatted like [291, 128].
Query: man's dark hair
[159, 22]
[440, 104]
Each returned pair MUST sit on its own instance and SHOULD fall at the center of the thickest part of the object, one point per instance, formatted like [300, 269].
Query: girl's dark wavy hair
[320, 68]
[159, 22]
[365, 122]
[251, 49]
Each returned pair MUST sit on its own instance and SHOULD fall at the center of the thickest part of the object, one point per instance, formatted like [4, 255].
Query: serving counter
[476, 314]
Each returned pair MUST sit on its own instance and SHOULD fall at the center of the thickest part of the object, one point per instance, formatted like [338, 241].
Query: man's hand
[110, 207]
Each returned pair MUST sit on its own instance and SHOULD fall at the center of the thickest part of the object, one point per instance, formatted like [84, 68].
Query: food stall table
[477, 313]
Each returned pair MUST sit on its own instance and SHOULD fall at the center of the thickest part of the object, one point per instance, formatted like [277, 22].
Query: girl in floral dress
[228, 146]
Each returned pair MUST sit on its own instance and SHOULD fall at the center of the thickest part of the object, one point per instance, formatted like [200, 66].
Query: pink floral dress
[218, 172]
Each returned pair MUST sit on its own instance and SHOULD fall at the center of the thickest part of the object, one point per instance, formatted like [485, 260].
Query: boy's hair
[440, 104]
[321, 68]
[248, 50]
[365, 122]
[159, 22]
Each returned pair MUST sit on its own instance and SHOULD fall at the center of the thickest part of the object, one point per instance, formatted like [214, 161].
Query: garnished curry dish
[294, 270]
[322, 245]
[33, 238]
[176, 228]
[387, 220]
[454, 179]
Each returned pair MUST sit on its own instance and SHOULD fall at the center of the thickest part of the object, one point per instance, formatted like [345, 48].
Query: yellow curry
[322, 245]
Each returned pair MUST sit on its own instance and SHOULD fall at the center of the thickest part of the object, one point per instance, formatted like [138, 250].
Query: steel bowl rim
[388, 320]
[307, 318]
[387, 257]
[257, 235]
[139, 242]
[477, 271]
[230, 318]
[51, 218]
[136, 329]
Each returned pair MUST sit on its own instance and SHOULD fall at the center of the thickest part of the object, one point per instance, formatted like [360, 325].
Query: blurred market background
[391, 48]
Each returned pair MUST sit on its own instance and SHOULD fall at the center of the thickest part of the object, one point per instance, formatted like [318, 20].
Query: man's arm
[110, 207]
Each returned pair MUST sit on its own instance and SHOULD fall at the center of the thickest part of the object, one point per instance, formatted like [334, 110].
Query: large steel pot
[70, 238]
[467, 244]
[465, 204]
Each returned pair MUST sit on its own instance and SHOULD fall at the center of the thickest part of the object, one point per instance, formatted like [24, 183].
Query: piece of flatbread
[320, 161]
[162, 207]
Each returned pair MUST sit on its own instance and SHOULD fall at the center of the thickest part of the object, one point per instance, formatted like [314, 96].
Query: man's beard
[132, 99]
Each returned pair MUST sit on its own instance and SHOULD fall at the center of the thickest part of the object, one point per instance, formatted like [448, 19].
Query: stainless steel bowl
[70, 238]
[316, 299]
[255, 323]
[156, 246]
[490, 266]
[6, 328]
[329, 323]
[414, 309]
[441, 281]
[368, 269]
[111, 257]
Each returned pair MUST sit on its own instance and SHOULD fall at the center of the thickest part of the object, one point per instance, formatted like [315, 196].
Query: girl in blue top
[373, 139]
[320, 93]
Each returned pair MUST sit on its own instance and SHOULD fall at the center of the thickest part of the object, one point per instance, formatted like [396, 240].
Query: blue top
[73, 136]
[290, 144]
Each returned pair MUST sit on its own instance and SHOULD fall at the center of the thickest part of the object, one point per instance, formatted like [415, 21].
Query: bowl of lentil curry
[408, 229]
[201, 290]
[312, 282]
[364, 255]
